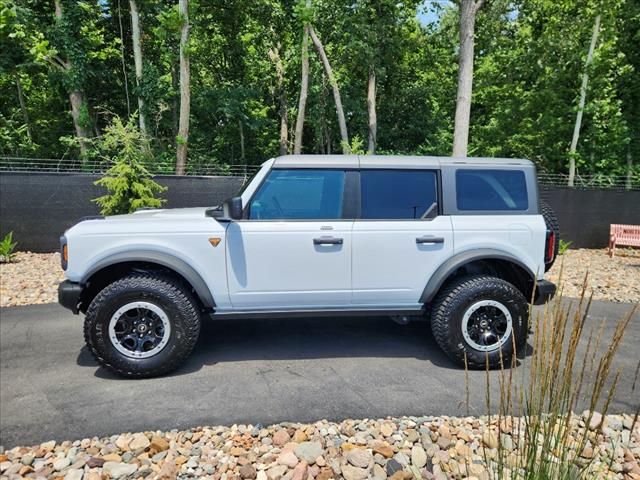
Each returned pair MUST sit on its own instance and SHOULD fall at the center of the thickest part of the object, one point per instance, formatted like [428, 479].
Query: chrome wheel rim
[487, 325]
[139, 330]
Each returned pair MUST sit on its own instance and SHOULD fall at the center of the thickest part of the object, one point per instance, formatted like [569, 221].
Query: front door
[293, 251]
[399, 240]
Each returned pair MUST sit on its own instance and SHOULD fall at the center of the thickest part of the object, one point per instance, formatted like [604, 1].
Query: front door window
[299, 195]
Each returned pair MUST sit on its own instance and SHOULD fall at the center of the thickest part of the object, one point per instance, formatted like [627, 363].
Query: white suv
[462, 242]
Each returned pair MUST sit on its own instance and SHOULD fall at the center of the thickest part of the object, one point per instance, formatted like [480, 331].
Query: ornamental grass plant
[535, 431]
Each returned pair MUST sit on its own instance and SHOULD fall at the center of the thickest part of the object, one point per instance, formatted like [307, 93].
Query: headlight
[64, 252]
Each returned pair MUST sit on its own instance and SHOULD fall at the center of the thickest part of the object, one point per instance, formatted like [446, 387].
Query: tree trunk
[78, 104]
[123, 62]
[282, 95]
[583, 97]
[185, 90]
[241, 130]
[137, 60]
[346, 147]
[175, 104]
[304, 88]
[77, 100]
[371, 108]
[468, 10]
[23, 109]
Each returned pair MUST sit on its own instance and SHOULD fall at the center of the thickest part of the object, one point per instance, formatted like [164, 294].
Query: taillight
[550, 246]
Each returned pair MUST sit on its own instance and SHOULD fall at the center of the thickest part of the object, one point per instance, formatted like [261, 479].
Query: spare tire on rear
[553, 226]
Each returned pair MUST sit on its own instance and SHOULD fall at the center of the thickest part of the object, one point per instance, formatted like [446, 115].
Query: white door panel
[277, 265]
[390, 267]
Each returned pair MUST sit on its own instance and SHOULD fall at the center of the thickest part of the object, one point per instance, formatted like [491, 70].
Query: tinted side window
[491, 190]
[299, 195]
[397, 194]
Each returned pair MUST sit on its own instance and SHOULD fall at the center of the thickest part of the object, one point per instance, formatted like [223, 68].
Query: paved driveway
[249, 371]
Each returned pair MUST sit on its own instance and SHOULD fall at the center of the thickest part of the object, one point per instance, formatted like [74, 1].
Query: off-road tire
[452, 302]
[167, 293]
[553, 225]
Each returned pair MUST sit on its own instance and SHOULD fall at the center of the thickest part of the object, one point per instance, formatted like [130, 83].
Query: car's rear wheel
[482, 318]
[142, 325]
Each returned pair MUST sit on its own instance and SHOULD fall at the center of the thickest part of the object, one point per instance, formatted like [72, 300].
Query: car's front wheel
[482, 318]
[142, 325]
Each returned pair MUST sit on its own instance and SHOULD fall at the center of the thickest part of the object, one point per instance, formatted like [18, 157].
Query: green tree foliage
[128, 181]
[529, 58]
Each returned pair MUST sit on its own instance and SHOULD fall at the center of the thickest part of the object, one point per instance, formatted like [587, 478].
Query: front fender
[161, 258]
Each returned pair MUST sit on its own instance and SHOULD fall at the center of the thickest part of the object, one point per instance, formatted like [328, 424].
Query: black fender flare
[452, 264]
[164, 259]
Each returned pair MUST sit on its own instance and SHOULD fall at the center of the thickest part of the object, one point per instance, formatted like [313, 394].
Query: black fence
[38, 207]
[585, 215]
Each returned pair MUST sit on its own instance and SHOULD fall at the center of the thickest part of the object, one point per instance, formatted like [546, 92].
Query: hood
[160, 213]
[148, 221]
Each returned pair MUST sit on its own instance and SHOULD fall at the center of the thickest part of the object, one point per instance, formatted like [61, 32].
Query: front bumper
[69, 295]
[545, 291]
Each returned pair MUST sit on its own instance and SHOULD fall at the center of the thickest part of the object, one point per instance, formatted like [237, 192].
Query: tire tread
[175, 292]
[442, 311]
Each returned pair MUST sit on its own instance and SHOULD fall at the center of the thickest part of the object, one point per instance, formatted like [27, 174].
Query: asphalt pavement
[248, 371]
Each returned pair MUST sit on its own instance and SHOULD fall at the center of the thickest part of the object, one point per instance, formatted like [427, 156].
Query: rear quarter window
[491, 190]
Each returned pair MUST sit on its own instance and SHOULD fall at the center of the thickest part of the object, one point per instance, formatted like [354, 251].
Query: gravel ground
[395, 448]
[30, 278]
[614, 279]
[34, 277]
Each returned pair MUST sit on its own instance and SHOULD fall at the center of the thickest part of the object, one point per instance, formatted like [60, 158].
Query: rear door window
[299, 195]
[397, 194]
[491, 190]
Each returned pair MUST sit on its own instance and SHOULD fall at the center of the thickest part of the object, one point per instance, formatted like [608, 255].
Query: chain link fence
[50, 165]
[598, 181]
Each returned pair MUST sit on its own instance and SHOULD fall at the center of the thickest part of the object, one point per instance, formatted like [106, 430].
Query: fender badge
[215, 241]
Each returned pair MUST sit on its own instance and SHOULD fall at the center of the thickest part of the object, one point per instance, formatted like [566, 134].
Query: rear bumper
[545, 291]
[69, 295]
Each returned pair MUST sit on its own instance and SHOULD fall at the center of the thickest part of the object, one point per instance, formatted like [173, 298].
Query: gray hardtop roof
[390, 161]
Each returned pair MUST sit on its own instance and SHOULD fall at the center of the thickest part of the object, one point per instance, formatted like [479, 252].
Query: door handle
[327, 241]
[428, 239]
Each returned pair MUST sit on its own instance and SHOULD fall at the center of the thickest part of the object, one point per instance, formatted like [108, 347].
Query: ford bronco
[462, 242]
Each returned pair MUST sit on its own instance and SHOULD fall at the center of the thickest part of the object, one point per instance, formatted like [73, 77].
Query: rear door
[294, 249]
[399, 239]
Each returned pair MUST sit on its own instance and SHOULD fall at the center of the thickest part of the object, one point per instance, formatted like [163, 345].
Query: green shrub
[128, 181]
[7, 246]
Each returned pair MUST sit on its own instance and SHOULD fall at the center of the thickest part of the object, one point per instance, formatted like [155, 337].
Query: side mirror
[232, 208]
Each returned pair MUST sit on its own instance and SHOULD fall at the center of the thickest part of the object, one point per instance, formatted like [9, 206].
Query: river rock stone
[349, 472]
[159, 444]
[287, 458]
[248, 472]
[418, 456]
[393, 466]
[74, 474]
[61, 464]
[281, 437]
[139, 441]
[309, 451]
[387, 429]
[117, 470]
